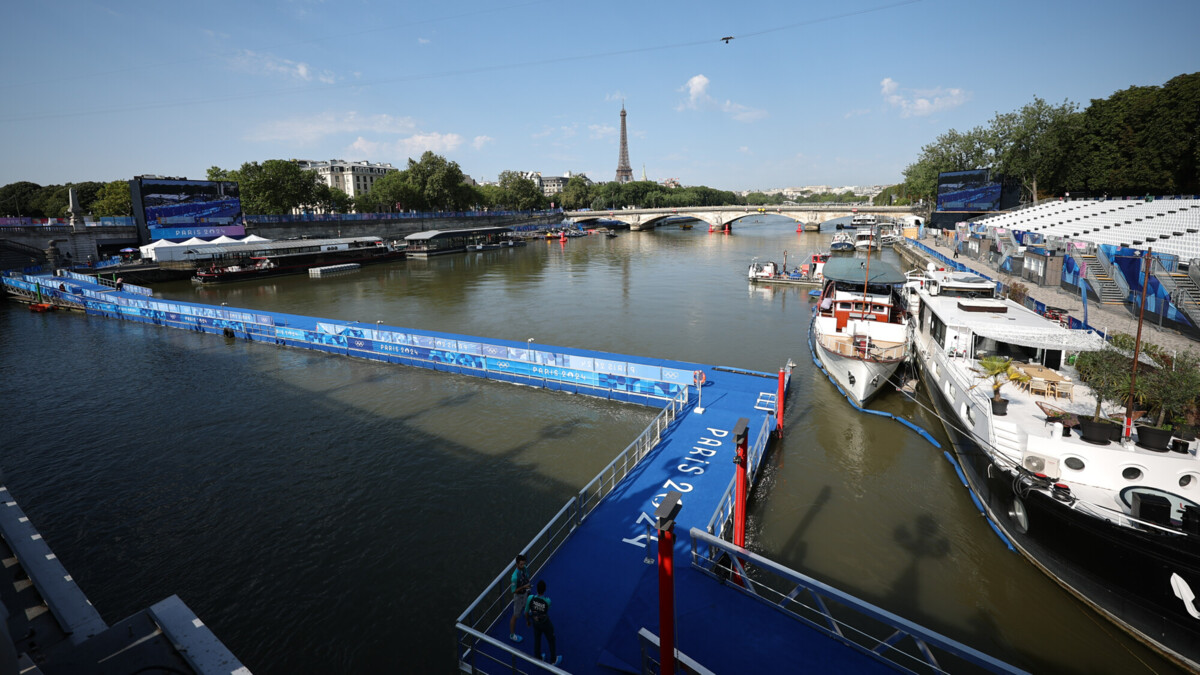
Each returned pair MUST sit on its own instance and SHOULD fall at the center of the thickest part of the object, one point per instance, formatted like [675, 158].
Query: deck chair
[1064, 389]
[1038, 386]
[1053, 414]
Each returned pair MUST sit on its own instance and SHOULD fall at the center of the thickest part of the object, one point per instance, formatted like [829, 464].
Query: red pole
[665, 516]
[1127, 428]
[739, 504]
[779, 403]
[666, 601]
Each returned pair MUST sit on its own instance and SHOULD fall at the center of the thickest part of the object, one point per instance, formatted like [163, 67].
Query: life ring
[699, 378]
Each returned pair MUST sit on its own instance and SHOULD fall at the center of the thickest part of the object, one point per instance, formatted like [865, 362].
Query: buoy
[710, 229]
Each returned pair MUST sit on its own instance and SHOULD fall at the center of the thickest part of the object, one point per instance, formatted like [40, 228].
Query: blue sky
[807, 93]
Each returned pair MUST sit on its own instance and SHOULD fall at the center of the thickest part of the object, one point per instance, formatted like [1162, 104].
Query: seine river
[329, 515]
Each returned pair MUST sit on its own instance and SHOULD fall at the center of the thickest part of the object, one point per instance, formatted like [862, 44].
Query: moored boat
[1116, 524]
[859, 326]
[240, 262]
[842, 243]
[865, 240]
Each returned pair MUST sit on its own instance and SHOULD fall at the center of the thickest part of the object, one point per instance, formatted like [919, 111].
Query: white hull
[861, 379]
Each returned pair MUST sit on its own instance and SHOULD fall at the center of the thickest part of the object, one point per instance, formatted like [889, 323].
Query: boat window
[878, 308]
[844, 305]
[1131, 473]
[937, 330]
[1074, 463]
[1187, 479]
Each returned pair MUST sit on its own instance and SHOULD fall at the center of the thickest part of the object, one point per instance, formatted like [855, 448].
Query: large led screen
[968, 191]
[184, 208]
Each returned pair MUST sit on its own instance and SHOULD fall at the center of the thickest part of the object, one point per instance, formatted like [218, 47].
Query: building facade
[353, 178]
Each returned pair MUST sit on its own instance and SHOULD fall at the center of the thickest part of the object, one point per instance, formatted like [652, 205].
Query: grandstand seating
[1170, 226]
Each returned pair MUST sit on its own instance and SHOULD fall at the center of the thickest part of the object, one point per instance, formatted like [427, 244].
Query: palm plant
[999, 370]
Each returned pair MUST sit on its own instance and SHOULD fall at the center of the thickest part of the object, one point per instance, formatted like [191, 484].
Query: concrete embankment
[392, 229]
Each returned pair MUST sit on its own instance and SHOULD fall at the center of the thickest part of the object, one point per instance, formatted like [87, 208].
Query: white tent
[224, 239]
[148, 251]
[195, 241]
[253, 238]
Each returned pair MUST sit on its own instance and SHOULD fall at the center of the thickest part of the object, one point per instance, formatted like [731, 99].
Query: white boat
[1116, 524]
[863, 220]
[841, 242]
[864, 239]
[859, 330]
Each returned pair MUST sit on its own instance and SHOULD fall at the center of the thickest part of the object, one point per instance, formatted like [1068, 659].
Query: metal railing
[874, 632]
[491, 605]
[723, 516]
[842, 347]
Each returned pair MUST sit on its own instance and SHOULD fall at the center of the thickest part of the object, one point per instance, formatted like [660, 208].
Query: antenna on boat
[1127, 431]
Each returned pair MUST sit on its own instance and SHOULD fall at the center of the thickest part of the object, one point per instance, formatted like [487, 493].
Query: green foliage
[518, 192]
[30, 200]
[999, 370]
[1170, 391]
[276, 186]
[1141, 140]
[113, 199]
[576, 194]
[1106, 373]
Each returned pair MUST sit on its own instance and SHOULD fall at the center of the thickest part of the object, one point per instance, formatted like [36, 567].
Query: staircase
[1100, 275]
[1007, 244]
[1182, 290]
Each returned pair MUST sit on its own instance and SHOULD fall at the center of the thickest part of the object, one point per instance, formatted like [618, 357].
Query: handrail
[489, 606]
[724, 512]
[836, 613]
[841, 348]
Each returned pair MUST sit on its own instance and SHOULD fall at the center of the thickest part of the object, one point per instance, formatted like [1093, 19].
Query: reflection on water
[326, 514]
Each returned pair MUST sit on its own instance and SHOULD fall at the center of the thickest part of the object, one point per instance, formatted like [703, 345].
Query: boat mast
[867, 278]
[1137, 347]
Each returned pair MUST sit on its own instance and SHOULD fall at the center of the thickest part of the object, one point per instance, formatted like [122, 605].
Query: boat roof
[855, 270]
[276, 246]
[445, 234]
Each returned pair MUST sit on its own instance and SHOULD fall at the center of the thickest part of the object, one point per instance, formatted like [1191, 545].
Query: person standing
[537, 613]
[519, 585]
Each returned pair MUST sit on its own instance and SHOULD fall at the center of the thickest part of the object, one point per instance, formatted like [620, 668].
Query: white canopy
[253, 238]
[148, 251]
[224, 239]
[1050, 336]
[195, 241]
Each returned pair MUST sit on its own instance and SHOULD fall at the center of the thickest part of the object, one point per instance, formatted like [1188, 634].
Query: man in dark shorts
[519, 586]
[537, 613]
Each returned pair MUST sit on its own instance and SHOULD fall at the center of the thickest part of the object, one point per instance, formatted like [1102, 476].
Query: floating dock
[599, 554]
[329, 270]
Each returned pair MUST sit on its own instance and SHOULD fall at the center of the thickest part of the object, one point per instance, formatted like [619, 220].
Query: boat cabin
[844, 298]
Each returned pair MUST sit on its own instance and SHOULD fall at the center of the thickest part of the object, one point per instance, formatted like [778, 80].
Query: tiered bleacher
[1168, 225]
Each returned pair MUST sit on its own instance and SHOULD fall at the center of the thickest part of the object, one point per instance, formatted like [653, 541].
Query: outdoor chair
[1064, 389]
[1038, 386]
[1053, 414]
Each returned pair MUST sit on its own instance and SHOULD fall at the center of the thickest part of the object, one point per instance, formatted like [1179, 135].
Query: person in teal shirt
[537, 614]
[519, 585]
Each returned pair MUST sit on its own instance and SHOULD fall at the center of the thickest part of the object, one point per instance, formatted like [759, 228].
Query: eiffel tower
[624, 171]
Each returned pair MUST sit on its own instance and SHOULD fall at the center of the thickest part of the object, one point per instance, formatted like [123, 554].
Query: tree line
[432, 183]
[1141, 140]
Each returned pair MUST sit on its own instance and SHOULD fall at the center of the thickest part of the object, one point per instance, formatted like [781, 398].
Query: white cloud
[481, 141]
[413, 146]
[416, 144]
[600, 131]
[699, 99]
[744, 150]
[617, 95]
[921, 102]
[857, 112]
[269, 65]
[311, 129]
[422, 41]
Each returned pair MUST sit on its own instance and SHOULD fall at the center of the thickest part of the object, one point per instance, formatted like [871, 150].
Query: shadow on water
[796, 548]
[923, 542]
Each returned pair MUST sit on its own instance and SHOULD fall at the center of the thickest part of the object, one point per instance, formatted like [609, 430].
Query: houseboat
[239, 262]
[858, 328]
[1116, 523]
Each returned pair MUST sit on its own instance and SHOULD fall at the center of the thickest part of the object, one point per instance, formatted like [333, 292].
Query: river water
[329, 515]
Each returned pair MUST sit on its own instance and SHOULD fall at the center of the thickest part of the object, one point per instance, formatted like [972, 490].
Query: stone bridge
[720, 216]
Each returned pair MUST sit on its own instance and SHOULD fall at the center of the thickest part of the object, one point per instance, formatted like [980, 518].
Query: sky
[806, 93]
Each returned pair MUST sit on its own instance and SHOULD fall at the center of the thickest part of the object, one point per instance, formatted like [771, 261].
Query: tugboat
[1115, 523]
[859, 327]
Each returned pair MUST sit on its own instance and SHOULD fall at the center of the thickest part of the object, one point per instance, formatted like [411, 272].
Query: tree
[16, 199]
[999, 370]
[1033, 141]
[113, 200]
[276, 186]
[576, 194]
[390, 193]
[519, 192]
[332, 200]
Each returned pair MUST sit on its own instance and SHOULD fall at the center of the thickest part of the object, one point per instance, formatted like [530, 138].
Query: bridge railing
[494, 602]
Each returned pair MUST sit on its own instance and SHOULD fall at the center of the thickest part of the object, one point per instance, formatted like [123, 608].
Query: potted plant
[1167, 392]
[999, 370]
[1106, 373]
